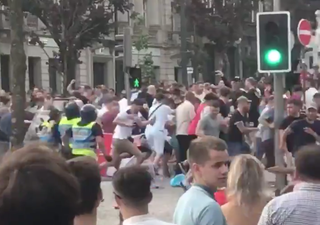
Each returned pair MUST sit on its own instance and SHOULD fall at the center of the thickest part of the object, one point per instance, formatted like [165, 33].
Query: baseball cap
[243, 99]
[312, 106]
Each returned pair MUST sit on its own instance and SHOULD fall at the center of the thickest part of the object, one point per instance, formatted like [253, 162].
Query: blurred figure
[302, 205]
[247, 191]
[87, 172]
[254, 95]
[198, 90]
[239, 129]
[37, 188]
[132, 192]
[185, 113]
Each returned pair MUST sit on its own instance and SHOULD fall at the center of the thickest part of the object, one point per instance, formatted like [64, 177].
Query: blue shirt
[5, 124]
[197, 207]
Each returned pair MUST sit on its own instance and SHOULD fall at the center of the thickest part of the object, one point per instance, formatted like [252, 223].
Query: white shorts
[156, 140]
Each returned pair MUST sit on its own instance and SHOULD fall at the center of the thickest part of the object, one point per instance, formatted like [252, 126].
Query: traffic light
[273, 42]
[135, 78]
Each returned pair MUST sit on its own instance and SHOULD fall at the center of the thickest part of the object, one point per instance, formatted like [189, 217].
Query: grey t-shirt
[210, 126]
[266, 132]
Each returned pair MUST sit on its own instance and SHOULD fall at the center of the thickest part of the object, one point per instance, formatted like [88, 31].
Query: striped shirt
[299, 207]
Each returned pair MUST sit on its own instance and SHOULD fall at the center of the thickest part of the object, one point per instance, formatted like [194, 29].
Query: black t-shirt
[224, 109]
[96, 132]
[254, 106]
[300, 137]
[234, 134]
[286, 122]
[81, 97]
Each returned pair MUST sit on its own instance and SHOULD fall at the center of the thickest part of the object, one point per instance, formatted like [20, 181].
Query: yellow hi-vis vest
[65, 125]
[45, 135]
[83, 143]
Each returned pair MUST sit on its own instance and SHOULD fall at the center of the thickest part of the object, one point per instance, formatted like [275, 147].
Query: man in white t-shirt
[156, 134]
[125, 122]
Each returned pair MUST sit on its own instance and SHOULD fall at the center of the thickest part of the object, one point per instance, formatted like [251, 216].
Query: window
[144, 12]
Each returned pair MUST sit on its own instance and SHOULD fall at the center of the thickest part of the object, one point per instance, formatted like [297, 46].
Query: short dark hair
[225, 91]
[87, 171]
[316, 95]
[297, 88]
[307, 161]
[200, 147]
[211, 96]
[190, 96]
[160, 96]
[215, 104]
[197, 100]
[138, 101]
[37, 187]
[295, 102]
[132, 185]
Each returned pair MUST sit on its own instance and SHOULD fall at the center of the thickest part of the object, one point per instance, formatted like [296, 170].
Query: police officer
[48, 130]
[87, 135]
[72, 116]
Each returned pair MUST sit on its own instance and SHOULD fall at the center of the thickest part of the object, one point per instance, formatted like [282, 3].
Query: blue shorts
[238, 148]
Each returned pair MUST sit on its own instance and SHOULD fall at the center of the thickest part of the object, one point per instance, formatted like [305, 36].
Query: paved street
[162, 206]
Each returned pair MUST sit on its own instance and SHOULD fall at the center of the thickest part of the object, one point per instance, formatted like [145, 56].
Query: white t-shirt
[123, 105]
[122, 132]
[161, 116]
[102, 111]
[309, 95]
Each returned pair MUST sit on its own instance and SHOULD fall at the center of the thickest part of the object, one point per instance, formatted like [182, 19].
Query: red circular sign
[304, 32]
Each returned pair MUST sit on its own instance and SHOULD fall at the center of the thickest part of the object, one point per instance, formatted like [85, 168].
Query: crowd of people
[217, 137]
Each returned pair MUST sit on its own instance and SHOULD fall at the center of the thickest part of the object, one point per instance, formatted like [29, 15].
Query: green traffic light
[273, 57]
[136, 83]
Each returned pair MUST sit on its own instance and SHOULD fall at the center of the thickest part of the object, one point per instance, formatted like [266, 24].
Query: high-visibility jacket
[65, 125]
[83, 141]
[45, 134]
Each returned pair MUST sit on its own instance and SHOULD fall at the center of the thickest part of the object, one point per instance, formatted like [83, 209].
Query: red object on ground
[107, 142]
[220, 197]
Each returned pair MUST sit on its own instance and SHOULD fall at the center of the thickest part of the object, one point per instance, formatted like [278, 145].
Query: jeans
[237, 148]
[184, 143]
[259, 150]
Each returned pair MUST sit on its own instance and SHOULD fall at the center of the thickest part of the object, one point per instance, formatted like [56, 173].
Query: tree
[19, 67]
[142, 44]
[221, 22]
[75, 25]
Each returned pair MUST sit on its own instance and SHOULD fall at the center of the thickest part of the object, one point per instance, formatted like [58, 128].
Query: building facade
[99, 64]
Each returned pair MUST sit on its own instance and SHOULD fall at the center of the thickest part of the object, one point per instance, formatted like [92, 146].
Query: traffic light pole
[127, 60]
[279, 85]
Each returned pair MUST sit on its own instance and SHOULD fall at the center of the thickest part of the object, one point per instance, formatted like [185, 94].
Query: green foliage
[75, 24]
[142, 44]
[223, 22]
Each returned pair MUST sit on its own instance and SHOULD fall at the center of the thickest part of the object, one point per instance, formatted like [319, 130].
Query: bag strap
[155, 110]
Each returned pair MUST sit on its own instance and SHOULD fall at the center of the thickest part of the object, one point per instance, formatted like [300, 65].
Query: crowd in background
[199, 129]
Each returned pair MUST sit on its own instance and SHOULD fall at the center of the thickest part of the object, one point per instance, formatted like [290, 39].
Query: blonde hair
[246, 181]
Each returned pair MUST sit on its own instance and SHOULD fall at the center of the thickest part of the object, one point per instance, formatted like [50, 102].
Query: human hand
[308, 130]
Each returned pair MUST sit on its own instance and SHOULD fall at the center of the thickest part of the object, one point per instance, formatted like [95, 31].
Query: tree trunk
[19, 67]
[69, 69]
